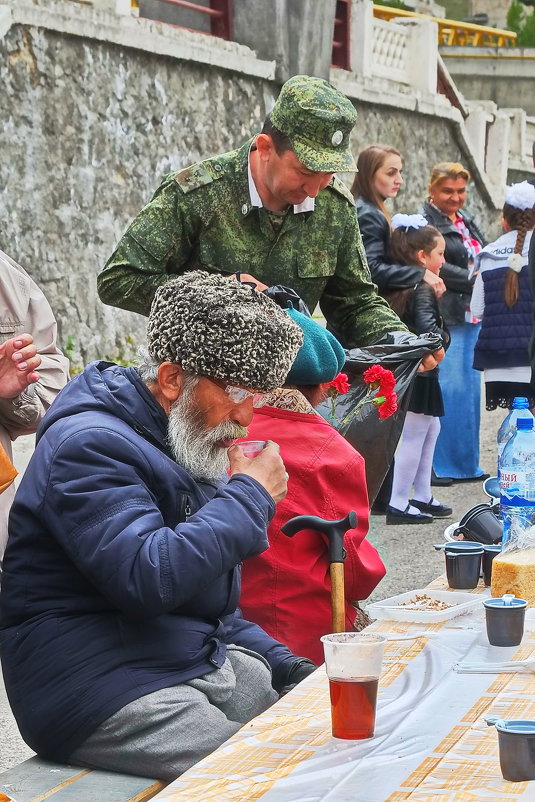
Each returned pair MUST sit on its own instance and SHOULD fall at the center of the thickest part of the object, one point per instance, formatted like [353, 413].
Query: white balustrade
[390, 51]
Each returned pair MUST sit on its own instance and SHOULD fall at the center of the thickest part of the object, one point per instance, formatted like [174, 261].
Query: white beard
[193, 445]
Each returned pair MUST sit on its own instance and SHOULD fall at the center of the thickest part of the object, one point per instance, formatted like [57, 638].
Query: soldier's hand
[247, 278]
[431, 360]
[18, 362]
[267, 468]
[435, 282]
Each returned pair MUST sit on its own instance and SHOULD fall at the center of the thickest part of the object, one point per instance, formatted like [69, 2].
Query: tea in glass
[353, 707]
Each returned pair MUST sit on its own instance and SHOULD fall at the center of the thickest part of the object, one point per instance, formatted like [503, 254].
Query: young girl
[502, 298]
[413, 241]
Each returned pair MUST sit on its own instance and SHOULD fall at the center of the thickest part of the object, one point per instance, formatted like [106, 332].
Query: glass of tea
[353, 661]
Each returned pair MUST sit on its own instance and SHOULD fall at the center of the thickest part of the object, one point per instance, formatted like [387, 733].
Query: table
[431, 742]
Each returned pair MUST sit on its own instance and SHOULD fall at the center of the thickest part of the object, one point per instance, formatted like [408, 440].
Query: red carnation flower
[380, 393]
[340, 383]
[381, 378]
[388, 407]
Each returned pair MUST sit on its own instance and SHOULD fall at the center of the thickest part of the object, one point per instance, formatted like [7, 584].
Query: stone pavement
[407, 552]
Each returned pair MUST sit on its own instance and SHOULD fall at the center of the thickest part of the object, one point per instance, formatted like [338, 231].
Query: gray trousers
[164, 733]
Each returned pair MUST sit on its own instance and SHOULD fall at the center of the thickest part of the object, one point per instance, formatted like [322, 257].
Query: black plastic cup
[463, 568]
[505, 620]
[481, 524]
[489, 553]
[516, 741]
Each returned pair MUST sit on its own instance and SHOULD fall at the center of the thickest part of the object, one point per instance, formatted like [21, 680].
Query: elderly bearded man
[122, 646]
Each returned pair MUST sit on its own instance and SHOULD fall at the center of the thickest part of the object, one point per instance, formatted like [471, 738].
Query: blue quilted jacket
[122, 574]
[503, 340]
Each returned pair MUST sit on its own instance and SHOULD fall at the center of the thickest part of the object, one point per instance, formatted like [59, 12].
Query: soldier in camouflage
[272, 209]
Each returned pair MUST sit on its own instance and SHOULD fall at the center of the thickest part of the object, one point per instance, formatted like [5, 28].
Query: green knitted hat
[320, 358]
[217, 327]
[317, 119]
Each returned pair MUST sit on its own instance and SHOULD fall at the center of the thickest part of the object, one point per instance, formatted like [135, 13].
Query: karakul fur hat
[214, 326]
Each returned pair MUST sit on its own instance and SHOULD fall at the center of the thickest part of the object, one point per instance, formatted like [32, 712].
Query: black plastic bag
[285, 297]
[374, 438]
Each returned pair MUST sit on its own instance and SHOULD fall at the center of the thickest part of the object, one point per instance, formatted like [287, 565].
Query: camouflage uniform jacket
[202, 218]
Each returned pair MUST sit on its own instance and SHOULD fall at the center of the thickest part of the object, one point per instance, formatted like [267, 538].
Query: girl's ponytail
[521, 221]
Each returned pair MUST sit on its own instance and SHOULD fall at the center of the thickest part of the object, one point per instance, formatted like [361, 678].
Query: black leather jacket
[454, 271]
[375, 232]
[423, 315]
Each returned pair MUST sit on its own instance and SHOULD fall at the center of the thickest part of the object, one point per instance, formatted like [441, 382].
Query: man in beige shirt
[32, 368]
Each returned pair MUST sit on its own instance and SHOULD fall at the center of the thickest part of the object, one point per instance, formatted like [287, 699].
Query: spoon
[507, 667]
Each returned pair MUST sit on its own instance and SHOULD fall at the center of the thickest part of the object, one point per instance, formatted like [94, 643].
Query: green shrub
[522, 23]
[393, 4]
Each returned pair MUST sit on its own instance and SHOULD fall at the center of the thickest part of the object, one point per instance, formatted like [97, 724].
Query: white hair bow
[409, 221]
[521, 196]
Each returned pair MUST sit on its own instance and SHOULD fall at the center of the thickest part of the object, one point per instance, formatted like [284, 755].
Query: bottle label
[517, 486]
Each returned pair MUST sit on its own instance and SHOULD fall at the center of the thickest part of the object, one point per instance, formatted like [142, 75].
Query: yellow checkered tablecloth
[432, 743]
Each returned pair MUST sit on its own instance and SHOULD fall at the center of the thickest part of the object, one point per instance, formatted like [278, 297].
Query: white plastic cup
[353, 661]
[251, 448]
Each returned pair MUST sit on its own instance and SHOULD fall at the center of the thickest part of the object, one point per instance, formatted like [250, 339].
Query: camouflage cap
[317, 119]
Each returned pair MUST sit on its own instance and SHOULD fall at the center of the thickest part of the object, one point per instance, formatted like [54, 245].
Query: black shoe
[441, 481]
[394, 516]
[378, 509]
[480, 478]
[436, 510]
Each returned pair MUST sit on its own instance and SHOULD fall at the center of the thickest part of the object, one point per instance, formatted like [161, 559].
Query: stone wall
[88, 131]
[505, 76]
[90, 126]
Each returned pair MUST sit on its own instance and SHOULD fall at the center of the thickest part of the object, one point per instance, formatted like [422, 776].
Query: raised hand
[18, 363]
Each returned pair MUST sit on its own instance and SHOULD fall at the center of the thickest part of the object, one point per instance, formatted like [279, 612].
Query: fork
[506, 667]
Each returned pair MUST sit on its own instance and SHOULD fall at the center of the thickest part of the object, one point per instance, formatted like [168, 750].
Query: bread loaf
[514, 572]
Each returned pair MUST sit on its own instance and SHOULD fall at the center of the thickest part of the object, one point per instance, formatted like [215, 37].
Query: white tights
[414, 459]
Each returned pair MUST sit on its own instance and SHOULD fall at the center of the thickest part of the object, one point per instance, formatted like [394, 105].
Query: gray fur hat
[214, 326]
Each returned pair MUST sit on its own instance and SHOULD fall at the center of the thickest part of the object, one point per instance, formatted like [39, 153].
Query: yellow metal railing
[452, 32]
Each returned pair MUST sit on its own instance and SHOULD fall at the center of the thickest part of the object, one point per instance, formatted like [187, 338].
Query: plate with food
[424, 605]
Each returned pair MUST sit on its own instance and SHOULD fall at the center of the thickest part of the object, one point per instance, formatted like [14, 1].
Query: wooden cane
[334, 531]
[336, 571]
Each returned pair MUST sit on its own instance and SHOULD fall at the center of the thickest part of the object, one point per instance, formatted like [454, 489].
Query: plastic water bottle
[508, 428]
[517, 480]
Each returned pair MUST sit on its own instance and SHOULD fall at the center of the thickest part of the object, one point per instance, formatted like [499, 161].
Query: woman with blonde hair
[456, 458]
[502, 299]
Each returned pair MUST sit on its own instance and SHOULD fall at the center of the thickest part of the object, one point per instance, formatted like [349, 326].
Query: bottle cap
[520, 402]
[524, 423]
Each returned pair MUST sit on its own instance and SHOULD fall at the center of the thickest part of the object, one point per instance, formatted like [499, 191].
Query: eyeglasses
[239, 394]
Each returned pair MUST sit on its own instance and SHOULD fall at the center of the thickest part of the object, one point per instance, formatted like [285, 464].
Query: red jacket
[287, 588]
